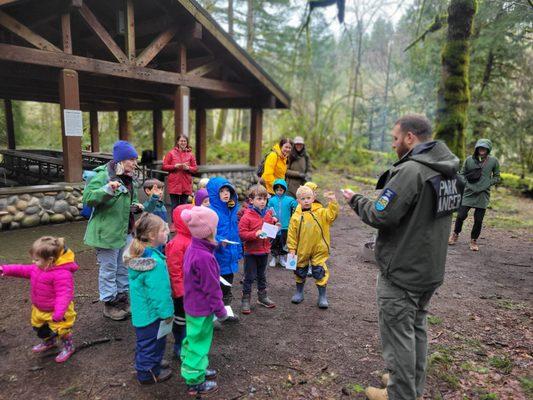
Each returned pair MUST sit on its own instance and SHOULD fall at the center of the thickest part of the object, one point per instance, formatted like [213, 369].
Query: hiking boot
[299, 295]
[245, 303]
[206, 387]
[164, 375]
[322, 299]
[262, 298]
[123, 302]
[473, 245]
[164, 364]
[453, 238]
[210, 374]
[45, 345]
[67, 350]
[373, 393]
[217, 325]
[283, 261]
[114, 312]
[273, 262]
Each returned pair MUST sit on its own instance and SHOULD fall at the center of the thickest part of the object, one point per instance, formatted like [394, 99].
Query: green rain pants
[195, 348]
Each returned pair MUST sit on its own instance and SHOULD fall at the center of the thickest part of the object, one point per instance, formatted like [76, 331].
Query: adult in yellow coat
[309, 239]
[276, 164]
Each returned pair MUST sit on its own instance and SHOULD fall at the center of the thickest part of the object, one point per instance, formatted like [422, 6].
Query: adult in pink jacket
[181, 165]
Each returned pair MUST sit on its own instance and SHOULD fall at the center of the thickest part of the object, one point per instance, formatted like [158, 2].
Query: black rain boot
[322, 299]
[245, 303]
[299, 295]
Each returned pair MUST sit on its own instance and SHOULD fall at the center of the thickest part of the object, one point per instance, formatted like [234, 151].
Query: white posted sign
[185, 127]
[73, 122]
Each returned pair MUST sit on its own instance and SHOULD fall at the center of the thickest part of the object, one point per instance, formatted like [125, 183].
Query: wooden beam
[5, 2]
[201, 136]
[10, 125]
[66, 33]
[157, 133]
[204, 69]
[25, 33]
[33, 56]
[95, 134]
[129, 13]
[123, 131]
[181, 112]
[102, 33]
[153, 49]
[182, 59]
[70, 100]
[256, 136]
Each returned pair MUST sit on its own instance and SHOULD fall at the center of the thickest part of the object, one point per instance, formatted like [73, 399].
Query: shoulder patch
[384, 199]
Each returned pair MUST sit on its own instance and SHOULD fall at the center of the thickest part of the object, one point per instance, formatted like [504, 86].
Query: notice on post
[73, 122]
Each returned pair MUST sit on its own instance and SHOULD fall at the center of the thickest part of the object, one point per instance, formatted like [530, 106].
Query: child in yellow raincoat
[309, 239]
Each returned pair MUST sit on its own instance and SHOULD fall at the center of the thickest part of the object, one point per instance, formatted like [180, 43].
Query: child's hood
[213, 188]
[277, 150]
[146, 262]
[66, 261]
[280, 182]
[179, 224]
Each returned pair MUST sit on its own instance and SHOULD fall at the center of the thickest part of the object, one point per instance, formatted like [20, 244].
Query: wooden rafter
[33, 56]
[204, 69]
[102, 33]
[153, 49]
[5, 2]
[130, 29]
[25, 33]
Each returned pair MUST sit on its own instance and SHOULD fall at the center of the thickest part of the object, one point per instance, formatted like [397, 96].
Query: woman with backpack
[298, 167]
[275, 164]
[180, 163]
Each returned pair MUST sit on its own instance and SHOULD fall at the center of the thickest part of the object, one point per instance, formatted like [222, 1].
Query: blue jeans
[113, 274]
[149, 351]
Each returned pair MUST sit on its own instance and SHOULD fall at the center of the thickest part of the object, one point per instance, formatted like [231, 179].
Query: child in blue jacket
[283, 206]
[224, 201]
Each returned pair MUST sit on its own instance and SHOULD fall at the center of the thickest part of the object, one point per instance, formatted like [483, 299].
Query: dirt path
[480, 328]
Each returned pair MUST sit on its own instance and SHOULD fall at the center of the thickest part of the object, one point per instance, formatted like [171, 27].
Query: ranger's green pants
[195, 348]
[403, 329]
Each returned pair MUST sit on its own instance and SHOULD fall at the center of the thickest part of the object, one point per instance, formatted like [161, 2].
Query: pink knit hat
[202, 221]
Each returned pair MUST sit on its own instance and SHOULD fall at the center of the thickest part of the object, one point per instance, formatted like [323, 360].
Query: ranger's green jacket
[477, 194]
[412, 241]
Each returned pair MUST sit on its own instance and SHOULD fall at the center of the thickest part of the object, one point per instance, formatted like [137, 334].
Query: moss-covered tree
[454, 92]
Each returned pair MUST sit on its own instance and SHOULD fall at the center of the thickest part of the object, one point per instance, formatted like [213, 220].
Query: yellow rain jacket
[309, 237]
[275, 168]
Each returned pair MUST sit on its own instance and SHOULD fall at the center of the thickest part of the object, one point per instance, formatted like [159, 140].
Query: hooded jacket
[283, 206]
[412, 243]
[275, 168]
[203, 295]
[108, 226]
[477, 194]
[229, 255]
[251, 222]
[175, 250]
[179, 181]
[298, 167]
[52, 290]
[150, 295]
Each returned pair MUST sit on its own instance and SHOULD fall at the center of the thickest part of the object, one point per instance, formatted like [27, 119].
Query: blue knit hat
[123, 150]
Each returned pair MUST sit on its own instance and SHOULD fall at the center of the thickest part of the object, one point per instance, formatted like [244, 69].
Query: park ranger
[413, 218]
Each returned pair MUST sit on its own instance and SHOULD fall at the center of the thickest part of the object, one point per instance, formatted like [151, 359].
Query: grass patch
[469, 366]
[489, 396]
[527, 385]
[502, 364]
[355, 388]
[434, 320]
[508, 304]
[448, 377]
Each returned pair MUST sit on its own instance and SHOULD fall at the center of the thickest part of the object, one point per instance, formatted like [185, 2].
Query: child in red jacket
[256, 247]
[174, 251]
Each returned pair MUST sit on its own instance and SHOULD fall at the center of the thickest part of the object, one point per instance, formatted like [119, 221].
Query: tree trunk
[356, 77]
[454, 93]
[384, 122]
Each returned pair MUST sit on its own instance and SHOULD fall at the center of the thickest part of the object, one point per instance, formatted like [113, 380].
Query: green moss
[503, 363]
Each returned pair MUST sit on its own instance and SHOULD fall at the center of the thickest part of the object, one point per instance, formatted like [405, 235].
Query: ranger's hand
[348, 194]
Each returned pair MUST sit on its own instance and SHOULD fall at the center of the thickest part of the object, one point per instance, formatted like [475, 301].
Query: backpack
[474, 175]
[261, 166]
[87, 211]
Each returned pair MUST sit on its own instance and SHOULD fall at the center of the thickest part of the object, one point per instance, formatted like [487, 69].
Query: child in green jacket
[150, 296]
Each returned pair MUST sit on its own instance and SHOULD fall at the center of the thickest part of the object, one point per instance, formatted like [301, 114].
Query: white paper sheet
[270, 230]
[229, 241]
[224, 282]
[164, 329]
[229, 311]
[292, 261]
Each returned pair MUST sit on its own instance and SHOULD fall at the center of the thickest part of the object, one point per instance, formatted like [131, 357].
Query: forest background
[349, 82]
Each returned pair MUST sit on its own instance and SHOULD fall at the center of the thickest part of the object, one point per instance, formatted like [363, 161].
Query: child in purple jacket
[202, 300]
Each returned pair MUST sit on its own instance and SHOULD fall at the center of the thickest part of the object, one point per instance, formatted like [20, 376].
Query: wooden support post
[201, 136]
[256, 136]
[10, 125]
[69, 98]
[181, 111]
[123, 132]
[157, 118]
[95, 139]
[66, 33]
[130, 29]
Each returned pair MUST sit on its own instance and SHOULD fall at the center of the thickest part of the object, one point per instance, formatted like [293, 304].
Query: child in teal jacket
[150, 296]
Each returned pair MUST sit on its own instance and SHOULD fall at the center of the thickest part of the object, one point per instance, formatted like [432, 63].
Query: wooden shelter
[125, 55]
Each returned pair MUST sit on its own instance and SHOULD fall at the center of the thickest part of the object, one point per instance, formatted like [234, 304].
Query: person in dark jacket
[413, 218]
[298, 167]
[481, 172]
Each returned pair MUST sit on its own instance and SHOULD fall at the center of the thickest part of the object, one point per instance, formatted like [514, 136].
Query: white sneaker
[283, 261]
[273, 261]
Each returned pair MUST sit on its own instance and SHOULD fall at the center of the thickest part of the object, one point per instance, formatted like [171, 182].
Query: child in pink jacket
[52, 293]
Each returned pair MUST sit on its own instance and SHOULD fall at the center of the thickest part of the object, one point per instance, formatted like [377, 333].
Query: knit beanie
[202, 221]
[123, 150]
[200, 196]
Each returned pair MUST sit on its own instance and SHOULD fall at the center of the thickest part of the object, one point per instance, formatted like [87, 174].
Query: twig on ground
[517, 265]
[89, 343]
[285, 366]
